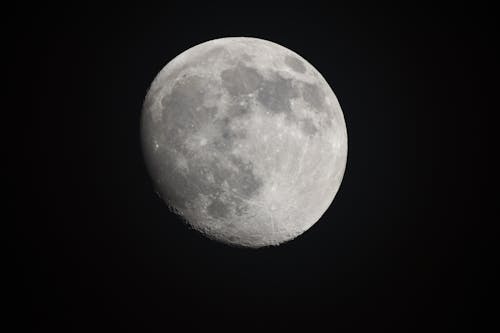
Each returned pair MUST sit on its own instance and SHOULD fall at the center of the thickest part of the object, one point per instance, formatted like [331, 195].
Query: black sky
[95, 247]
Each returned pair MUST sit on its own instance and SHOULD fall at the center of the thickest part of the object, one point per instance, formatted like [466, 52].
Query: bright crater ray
[245, 140]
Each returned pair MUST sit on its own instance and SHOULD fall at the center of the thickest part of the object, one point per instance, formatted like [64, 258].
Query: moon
[244, 140]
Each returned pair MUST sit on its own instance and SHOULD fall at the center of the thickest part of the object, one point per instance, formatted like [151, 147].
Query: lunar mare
[245, 140]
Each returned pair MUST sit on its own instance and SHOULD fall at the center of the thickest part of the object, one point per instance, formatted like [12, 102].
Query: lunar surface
[245, 140]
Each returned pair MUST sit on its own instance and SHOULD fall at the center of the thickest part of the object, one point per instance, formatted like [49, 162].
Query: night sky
[95, 247]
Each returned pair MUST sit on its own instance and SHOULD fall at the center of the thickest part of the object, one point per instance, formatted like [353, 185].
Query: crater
[295, 64]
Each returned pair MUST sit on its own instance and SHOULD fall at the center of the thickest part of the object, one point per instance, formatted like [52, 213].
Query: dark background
[95, 247]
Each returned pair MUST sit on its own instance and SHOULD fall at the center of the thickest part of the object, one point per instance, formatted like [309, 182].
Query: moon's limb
[245, 140]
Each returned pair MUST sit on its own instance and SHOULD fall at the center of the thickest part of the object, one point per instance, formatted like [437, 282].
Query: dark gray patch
[307, 126]
[246, 57]
[183, 111]
[207, 112]
[240, 80]
[232, 135]
[242, 180]
[237, 110]
[295, 64]
[218, 209]
[245, 183]
[219, 171]
[180, 105]
[241, 207]
[313, 95]
[229, 135]
[199, 179]
[225, 141]
[276, 94]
